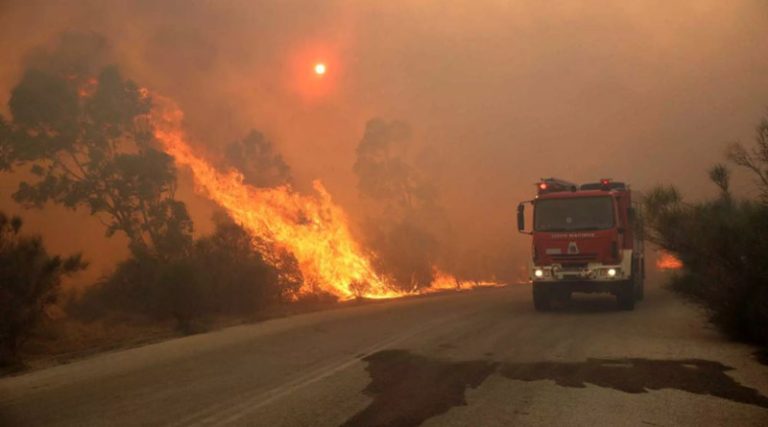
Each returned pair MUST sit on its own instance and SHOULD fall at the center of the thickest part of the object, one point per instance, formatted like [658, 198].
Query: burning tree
[77, 125]
[262, 166]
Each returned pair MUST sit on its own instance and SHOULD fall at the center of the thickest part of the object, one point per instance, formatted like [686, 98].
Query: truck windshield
[571, 214]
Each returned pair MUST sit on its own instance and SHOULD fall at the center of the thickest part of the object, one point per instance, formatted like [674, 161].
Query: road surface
[481, 358]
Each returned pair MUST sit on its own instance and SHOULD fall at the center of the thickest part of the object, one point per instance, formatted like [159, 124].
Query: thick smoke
[404, 228]
[504, 91]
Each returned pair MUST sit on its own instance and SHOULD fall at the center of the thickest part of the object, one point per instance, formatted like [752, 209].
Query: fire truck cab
[586, 238]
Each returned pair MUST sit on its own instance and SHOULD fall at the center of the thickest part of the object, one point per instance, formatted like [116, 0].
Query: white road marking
[226, 413]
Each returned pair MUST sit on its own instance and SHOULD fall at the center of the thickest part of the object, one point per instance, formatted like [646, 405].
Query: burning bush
[722, 245]
[29, 282]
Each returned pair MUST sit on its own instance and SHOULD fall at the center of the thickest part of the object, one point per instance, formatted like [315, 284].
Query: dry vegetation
[78, 127]
[722, 243]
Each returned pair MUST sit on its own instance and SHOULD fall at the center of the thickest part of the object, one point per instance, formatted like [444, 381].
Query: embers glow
[667, 261]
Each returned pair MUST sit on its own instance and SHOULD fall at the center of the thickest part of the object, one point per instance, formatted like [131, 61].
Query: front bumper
[564, 287]
[590, 273]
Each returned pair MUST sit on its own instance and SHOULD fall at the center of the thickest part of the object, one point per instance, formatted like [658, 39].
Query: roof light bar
[551, 185]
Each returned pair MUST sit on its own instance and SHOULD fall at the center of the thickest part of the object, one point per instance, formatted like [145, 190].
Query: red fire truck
[586, 238]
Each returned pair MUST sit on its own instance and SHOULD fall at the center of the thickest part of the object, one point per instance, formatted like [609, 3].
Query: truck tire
[640, 288]
[638, 280]
[542, 299]
[642, 278]
[626, 295]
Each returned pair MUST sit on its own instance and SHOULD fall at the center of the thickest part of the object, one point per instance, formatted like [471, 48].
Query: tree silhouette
[383, 170]
[87, 144]
[409, 219]
[721, 176]
[256, 157]
[756, 159]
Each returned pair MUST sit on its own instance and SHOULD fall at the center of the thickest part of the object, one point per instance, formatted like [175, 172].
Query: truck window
[571, 214]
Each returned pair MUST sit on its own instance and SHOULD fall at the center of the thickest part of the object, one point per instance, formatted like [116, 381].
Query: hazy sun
[320, 69]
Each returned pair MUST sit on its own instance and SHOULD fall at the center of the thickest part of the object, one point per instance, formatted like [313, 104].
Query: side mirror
[521, 218]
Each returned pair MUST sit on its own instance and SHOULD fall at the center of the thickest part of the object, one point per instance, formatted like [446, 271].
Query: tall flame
[310, 227]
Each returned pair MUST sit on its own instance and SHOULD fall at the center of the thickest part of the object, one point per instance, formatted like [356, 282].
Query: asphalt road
[481, 358]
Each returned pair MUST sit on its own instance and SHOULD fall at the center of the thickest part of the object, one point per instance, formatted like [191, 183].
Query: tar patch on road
[640, 375]
[408, 389]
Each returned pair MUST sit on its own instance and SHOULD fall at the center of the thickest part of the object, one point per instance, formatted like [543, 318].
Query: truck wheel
[626, 296]
[542, 300]
[638, 280]
[642, 279]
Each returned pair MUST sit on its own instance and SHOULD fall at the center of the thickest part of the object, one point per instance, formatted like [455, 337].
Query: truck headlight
[538, 273]
[611, 272]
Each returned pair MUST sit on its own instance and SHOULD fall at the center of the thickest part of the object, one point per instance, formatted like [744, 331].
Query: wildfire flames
[310, 227]
[667, 261]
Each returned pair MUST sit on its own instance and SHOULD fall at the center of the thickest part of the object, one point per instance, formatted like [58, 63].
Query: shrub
[722, 246]
[240, 280]
[29, 282]
[219, 275]
[722, 243]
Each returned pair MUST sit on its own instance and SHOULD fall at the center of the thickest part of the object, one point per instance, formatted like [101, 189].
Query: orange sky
[499, 93]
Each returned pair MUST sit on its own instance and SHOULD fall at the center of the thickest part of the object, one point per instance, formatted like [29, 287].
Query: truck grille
[574, 259]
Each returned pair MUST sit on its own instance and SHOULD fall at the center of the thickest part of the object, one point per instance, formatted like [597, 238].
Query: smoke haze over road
[496, 94]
